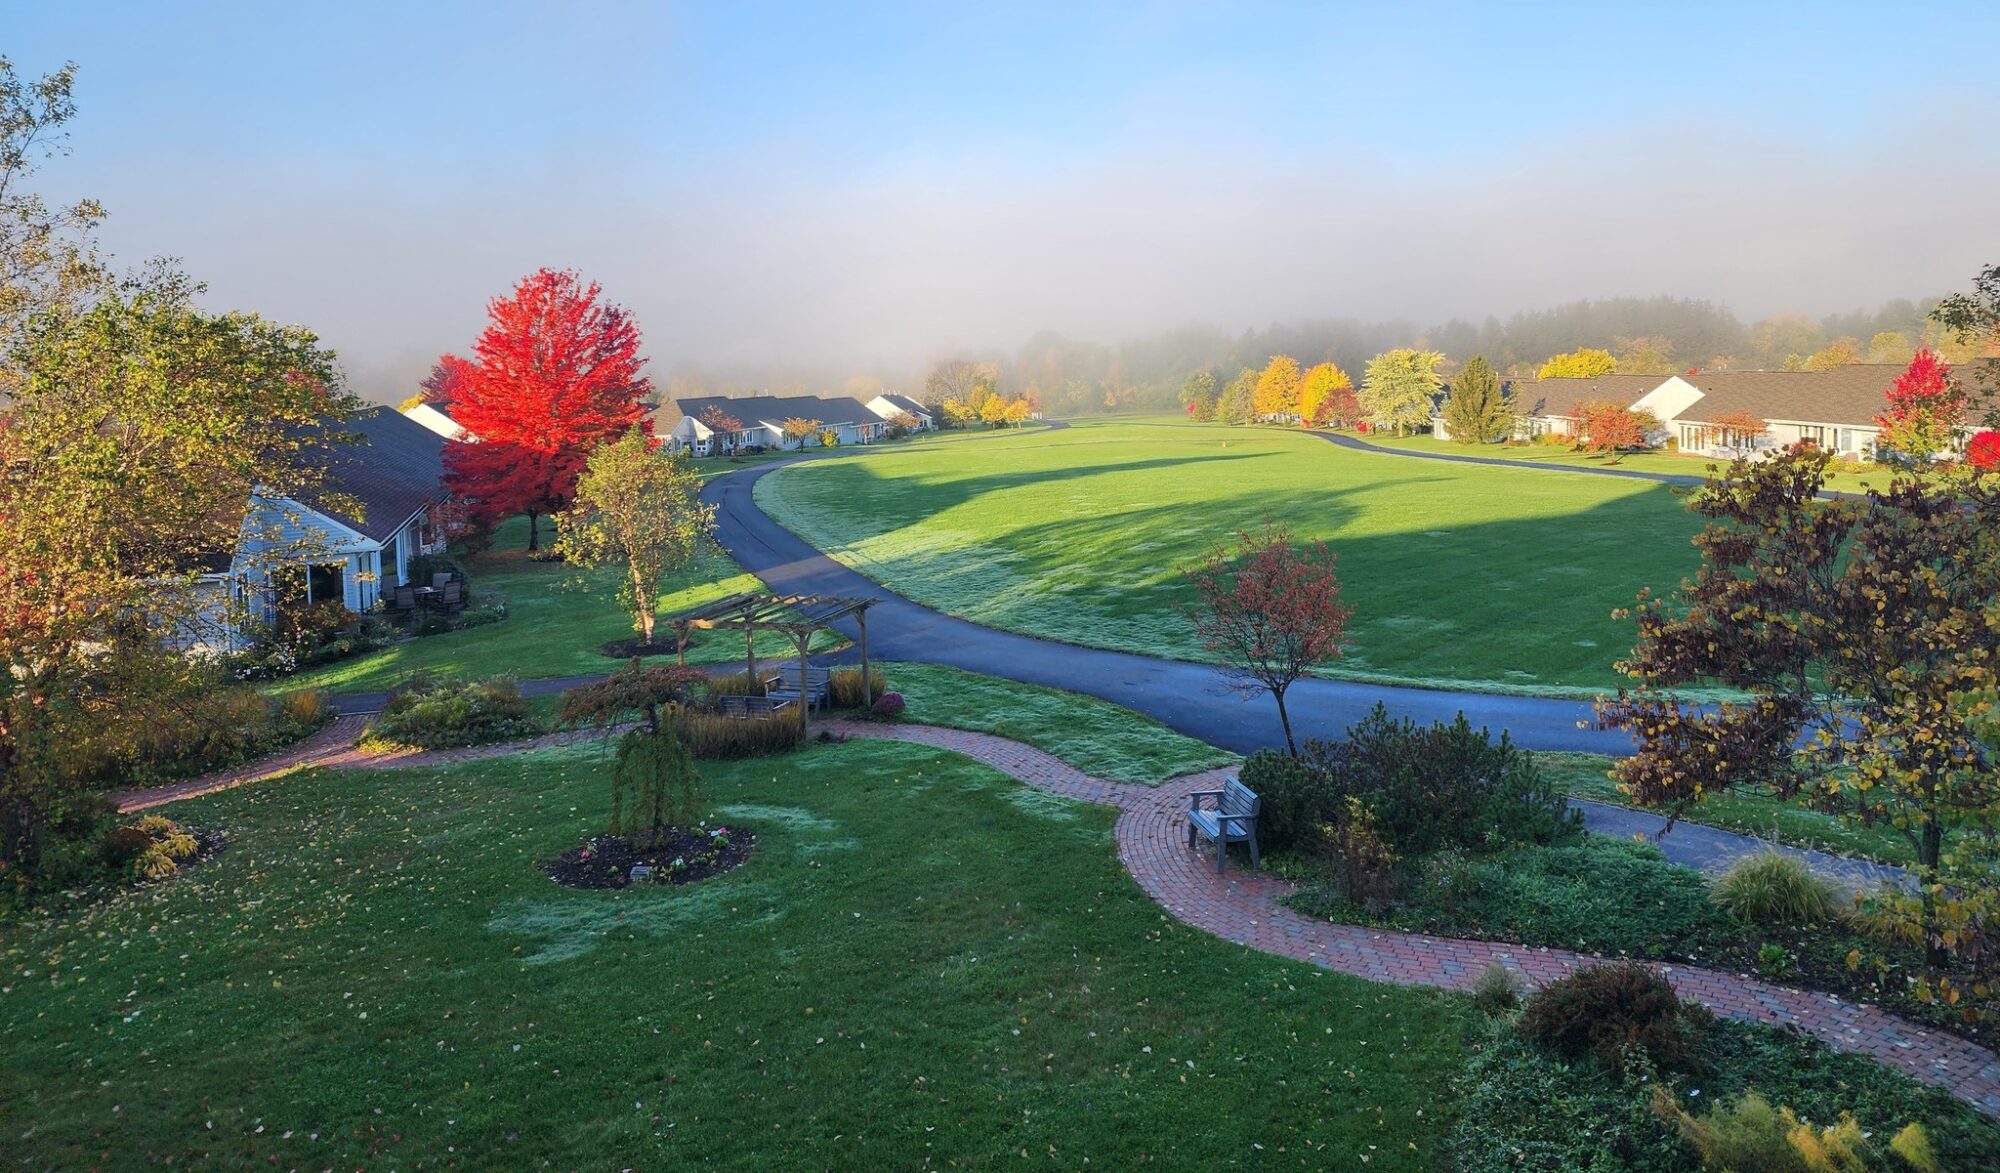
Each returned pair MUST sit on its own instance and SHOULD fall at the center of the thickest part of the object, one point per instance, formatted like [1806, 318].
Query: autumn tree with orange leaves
[556, 372]
[1271, 612]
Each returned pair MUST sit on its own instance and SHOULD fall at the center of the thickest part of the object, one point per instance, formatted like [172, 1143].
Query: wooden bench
[814, 689]
[752, 708]
[1232, 819]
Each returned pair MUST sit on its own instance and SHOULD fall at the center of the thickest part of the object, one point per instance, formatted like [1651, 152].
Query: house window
[327, 580]
[1814, 434]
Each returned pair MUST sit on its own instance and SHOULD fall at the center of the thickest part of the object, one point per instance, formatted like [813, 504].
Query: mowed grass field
[923, 964]
[1465, 575]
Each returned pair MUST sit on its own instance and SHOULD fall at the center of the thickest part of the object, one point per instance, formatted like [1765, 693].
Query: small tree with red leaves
[724, 425]
[1983, 452]
[555, 373]
[1925, 411]
[1606, 427]
[1271, 613]
[441, 386]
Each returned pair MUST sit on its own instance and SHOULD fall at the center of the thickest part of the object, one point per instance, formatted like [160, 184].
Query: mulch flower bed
[681, 856]
[625, 649]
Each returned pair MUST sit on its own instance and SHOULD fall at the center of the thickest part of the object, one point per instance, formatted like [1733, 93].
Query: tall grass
[1770, 889]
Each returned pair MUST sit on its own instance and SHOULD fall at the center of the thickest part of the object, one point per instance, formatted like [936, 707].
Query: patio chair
[452, 596]
[406, 599]
[439, 579]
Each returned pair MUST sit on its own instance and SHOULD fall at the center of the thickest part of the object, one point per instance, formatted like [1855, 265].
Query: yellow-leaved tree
[1276, 394]
[1316, 386]
[1581, 363]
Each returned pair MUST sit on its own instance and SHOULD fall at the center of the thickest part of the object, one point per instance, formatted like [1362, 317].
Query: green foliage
[1294, 798]
[1750, 1135]
[637, 507]
[444, 712]
[1495, 993]
[1438, 785]
[151, 849]
[1235, 405]
[1772, 889]
[1519, 1107]
[1362, 865]
[1476, 412]
[1398, 387]
[656, 773]
[1615, 1014]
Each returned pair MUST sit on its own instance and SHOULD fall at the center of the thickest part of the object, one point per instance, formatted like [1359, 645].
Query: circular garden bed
[677, 855]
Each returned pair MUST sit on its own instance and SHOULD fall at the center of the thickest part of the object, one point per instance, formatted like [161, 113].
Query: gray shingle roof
[395, 470]
[1562, 397]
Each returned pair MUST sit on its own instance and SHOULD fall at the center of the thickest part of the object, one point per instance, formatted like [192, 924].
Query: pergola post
[867, 682]
[749, 649]
[804, 636]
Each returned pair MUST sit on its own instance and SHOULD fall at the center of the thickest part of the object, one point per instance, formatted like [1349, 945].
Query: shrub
[442, 712]
[889, 704]
[482, 615]
[1293, 798]
[844, 687]
[1770, 889]
[151, 849]
[1494, 993]
[1609, 1012]
[1365, 866]
[1429, 787]
[1751, 1135]
[709, 735]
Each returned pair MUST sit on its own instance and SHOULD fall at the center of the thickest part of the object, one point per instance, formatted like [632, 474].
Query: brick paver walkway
[1242, 906]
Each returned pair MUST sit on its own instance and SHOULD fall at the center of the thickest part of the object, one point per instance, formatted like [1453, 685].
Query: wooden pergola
[798, 616]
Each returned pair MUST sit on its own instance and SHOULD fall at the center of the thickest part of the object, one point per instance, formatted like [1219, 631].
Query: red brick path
[1242, 906]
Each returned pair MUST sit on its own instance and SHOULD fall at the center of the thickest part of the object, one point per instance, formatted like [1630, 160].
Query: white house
[761, 422]
[891, 406]
[360, 528]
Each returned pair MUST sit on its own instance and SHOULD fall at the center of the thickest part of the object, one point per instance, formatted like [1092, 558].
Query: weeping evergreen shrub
[655, 774]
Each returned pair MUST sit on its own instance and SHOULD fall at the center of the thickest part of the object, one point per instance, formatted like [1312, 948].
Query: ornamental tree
[1739, 431]
[556, 372]
[796, 430]
[1233, 406]
[721, 423]
[638, 507]
[1476, 412]
[1925, 411]
[1271, 612]
[993, 411]
[1971, 322]
[1602, 426]
[1340, 408]
[440, 388]
[654, 783]
[1859, 630]
[1317, 388]
[1399, 386]
[1581, 363]
[1276, 393]
[1198, 395]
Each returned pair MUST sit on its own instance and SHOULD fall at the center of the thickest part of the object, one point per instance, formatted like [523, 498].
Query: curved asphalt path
[1198, 700]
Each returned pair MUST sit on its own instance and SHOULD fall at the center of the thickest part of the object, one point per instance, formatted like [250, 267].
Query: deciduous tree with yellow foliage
[1316, 388]
[1276, 394]
[1581, 363]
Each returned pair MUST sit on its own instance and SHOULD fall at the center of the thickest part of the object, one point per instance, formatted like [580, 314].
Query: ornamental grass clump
[845, 691]
[1772, 890]
[1753, 1135]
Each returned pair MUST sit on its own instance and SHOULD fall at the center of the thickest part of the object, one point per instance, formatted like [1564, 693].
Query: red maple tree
[1271, 613]
[1607, 427]
[441, 386]
[1925, 410]
[555, 373]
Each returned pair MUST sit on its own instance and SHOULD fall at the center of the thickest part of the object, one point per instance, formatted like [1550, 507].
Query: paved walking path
[1243, 907]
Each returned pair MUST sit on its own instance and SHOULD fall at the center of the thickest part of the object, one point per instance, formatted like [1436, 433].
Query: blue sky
[868, 185]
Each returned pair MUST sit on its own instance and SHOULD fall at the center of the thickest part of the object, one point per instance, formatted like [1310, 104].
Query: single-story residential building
[891, 406]
[762, 422]
[1834, 409]
[359, 529]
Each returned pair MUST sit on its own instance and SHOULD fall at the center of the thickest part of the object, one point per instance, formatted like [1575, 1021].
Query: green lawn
[1585, 776]
[557, 619]
[1095, 736]
[1564, 456]
[922, 965]
[1493, 578]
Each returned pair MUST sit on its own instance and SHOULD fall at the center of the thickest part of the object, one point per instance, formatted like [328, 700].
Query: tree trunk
[1930, 849]
[534, 532]
[1285, 719]
[645, 614]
